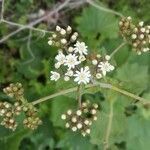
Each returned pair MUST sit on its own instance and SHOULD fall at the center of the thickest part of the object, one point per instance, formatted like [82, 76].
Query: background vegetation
[26, 57]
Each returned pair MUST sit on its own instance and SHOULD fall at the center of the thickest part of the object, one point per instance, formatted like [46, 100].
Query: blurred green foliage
[31, 67]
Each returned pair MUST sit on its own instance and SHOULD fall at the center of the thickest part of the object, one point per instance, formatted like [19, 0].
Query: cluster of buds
[125, 25]
[101, 66]
[81, 119]
[138, 35]
[10, 111]
[62, 36]
[32, 121]
[7, 112]
[14, 91]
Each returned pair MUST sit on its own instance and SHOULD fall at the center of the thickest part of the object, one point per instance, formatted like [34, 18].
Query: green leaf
[138, 133]
[134, 77]
[12, 142]
[75, 142]
[59, 106]
[95, 25]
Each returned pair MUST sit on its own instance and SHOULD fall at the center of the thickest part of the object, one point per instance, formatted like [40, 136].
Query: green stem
[109, 127]
[117, 49]
[96, 5]
[79, 95]
[101, 85]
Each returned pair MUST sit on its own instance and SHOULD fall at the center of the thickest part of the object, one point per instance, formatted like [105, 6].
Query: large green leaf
[95, 25]
[134, 77]
[12, 142]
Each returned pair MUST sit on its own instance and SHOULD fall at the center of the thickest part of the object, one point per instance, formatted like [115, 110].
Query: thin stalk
[2, 10]
[117, 49]
[109, 127]
[80, 95]
[94, 4]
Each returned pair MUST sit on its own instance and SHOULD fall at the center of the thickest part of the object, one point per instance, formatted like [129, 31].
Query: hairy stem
[101, 85]
[117, 49]
[109, 127]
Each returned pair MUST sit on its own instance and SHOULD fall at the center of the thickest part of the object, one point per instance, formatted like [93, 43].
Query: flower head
[55, 76]
[60, 58]
[83, 76]
[71, 61]
[80, 48]
[105, 67]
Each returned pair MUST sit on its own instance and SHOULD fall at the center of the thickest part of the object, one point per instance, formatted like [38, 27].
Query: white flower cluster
[102, 66]
[72, 57]
[71, 62]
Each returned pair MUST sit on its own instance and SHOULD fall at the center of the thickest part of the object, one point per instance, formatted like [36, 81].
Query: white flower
[105, 67]
[69, 73]
[60, 58]
[83, 76]
[57, 65]
[55, 76]
[80, 48]
[71, 61]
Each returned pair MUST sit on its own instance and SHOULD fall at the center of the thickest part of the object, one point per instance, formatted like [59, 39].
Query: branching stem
[101, 85]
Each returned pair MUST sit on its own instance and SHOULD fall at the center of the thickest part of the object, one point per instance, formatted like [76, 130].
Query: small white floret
[50, 42]
[88, 131]
[134, 36]
[67, 125]
[66, 78]
[69, 112]
[55, 76]
[74, 129]
[63, 41]
[141, 23]
[98, 75]
[94, 62]
[79, 125]
[63, 116]
[79, 112]
[58, 28]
